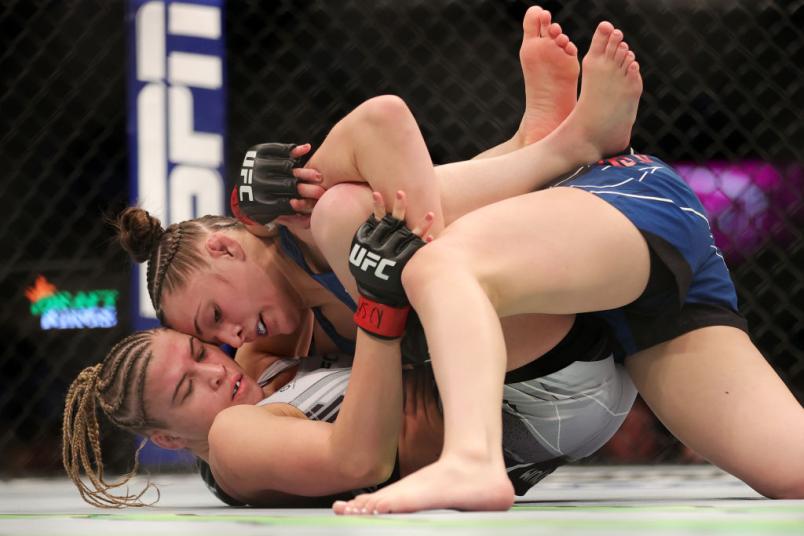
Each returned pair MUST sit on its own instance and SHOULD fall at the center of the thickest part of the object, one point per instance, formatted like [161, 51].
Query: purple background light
[747, 202]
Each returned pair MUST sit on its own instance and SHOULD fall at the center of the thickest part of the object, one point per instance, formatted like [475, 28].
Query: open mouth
[261, 329]
[236, 387]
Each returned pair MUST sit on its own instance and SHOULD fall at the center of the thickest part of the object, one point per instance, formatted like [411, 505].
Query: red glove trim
[381, 320]
[234, 203]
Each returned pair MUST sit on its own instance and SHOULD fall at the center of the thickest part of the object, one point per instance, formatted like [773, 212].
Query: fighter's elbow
[366, 472]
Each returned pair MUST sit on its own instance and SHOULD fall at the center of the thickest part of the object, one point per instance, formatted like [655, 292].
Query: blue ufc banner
[176, 116]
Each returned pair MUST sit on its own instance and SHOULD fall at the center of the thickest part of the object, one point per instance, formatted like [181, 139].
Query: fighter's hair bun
[138, 232]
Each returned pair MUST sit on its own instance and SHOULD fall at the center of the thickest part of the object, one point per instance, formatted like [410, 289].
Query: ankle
[574, 144]
[478, 455]
[517, 141]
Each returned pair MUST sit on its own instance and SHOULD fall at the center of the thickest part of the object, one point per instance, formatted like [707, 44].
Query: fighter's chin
[254, 394]
[290, 322]
[279, 326]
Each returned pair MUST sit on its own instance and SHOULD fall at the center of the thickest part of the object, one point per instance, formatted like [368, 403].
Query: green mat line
[781, 526]
[783, 508]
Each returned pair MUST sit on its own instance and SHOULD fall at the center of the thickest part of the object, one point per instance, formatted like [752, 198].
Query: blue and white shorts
[689, 286]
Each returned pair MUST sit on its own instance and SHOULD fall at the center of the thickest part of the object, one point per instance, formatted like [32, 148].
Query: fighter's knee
[788, 486]
[342, 198]
[386, 111]
[337, 209]
[434, 264]
[415, 273]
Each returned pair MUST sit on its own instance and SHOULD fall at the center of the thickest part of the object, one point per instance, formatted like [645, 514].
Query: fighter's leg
[555, 251]
[558, 251]
[379, 142]
[550, 67]
[550, 70]
[717, 394]
[600, 124]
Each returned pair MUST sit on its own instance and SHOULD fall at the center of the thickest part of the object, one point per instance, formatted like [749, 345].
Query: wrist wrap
[380, 320]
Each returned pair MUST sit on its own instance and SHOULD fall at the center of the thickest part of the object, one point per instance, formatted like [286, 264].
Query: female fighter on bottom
[296, 436]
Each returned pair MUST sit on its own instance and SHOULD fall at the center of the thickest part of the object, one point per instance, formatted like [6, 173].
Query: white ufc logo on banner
[175, 85]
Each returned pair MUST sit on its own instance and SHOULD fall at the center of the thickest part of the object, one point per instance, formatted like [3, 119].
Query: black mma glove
[380, 251]
[266, 184]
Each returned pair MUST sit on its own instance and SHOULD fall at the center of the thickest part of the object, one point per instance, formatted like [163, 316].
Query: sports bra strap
[344, 345]
[277, 367]
[328, 280]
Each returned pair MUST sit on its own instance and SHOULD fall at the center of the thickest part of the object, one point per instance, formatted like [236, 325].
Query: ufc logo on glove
[364, 259]
[380, 245]
[246, 174]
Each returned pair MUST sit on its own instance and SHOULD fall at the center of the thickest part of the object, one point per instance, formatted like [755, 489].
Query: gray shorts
[562, 417]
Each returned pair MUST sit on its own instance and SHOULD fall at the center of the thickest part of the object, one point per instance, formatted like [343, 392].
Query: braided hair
[172, 254]
[116, 385]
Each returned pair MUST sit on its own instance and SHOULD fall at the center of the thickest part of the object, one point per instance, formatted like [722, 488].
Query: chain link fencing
[724, 93]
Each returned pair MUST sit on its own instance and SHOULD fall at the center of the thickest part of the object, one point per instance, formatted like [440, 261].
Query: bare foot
[600, 125]
[459, 484]
[550, 68]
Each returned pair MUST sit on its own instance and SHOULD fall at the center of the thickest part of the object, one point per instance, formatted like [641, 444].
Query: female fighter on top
[93, 379]
[625, 238]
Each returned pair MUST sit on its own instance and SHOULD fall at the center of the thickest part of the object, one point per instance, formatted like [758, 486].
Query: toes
[354, 506]
[344, 509]
[370, 508]
[614, 41]
[620, 53]
[530, 24]
[601, 37]
[633, 76]
[381, 507]
[562, 40]
[571, 49]
[554, 30]
[629, 57]
[544, 23]
[338, 507]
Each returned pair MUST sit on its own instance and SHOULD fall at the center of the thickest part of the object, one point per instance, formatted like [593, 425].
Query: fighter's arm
[260, 454]
[379, 143]
[252, 446]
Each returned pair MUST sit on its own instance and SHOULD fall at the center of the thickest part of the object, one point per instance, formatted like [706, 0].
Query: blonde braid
[81, 446]
[128, 350]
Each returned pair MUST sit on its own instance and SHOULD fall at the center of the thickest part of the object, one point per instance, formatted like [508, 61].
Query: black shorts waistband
[587, 340]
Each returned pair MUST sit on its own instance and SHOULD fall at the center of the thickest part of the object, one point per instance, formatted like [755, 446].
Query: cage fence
[724, 93]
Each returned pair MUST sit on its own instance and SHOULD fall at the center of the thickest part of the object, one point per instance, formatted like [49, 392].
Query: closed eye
[199, 356]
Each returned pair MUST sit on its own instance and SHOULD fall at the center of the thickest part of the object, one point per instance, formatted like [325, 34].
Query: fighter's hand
[272, 186]
[381, 248]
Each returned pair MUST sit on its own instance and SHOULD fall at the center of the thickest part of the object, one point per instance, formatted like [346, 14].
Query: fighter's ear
[167, 441]
[224, 245]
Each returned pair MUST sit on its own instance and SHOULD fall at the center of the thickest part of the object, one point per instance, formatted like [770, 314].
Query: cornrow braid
[176, 255]
[162, 264]
[116, 385]
[113, 388]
